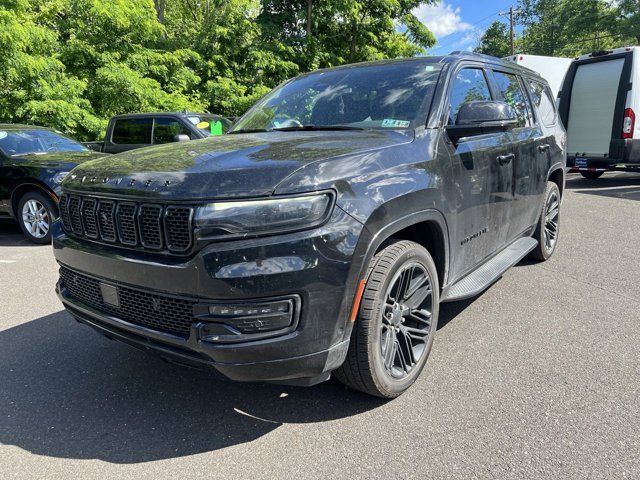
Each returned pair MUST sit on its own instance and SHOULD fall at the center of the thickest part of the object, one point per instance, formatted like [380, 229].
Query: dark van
[322, 232]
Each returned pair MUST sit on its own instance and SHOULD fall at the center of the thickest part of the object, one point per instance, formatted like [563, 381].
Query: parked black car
[33, 162]
[324, 230]
[137, 130]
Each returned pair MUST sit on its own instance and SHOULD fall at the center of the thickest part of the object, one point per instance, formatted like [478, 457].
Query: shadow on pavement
[12, 236]
[67, 392]
[608, 185]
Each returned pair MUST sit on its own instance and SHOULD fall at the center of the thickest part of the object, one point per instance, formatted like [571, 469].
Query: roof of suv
[453, 57]
[177, 114]
[18, 126]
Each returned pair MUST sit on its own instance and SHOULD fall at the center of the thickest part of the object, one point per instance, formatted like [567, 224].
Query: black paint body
[387, 183]
[34, 172]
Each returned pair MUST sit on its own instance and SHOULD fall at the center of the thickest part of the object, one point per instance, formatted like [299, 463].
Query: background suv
[324, 230]
[33, 162]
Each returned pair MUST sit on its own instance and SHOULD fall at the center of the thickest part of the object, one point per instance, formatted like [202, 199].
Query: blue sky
[457, 24]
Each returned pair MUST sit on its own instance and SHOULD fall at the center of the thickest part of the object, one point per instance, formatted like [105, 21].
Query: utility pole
[510, 13]
[309, 18]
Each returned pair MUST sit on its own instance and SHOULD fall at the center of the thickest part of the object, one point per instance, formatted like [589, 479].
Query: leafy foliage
[567, 28]
[71, 64]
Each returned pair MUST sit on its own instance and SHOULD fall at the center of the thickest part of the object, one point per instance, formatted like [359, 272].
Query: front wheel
[35, 214]
[396, 323]
[548, 227]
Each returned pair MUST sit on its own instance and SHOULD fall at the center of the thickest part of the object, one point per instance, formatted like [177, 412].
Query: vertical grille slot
[88, 210]
[150, 226]
[130, 224]
[74, 214]
[64, 212]
[177, 224]
[126, 221]
[106, 223]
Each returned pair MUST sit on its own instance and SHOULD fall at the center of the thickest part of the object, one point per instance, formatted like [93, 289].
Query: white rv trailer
[552, 69]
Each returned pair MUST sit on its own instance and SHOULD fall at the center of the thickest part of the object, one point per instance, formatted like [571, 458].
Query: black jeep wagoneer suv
[321, 233]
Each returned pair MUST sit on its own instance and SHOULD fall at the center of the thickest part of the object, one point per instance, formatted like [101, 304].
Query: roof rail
[465, 53]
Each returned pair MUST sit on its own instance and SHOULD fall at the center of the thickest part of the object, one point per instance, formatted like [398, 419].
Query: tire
[548, 227]
[367, 367]
[36, 203]
[591, 175]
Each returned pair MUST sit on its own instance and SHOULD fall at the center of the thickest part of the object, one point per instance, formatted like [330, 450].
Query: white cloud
[442, 19]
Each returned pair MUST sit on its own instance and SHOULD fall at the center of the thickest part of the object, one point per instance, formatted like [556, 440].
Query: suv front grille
[129, 224]
[150, 310]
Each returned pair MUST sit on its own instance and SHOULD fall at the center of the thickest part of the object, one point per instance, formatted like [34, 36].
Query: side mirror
[480, 117]
[181, 138]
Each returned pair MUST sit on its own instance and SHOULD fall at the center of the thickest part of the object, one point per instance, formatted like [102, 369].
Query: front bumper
[315, 266]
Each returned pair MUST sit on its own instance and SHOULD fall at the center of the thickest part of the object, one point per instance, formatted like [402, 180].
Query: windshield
[36, 142]
[387, 96]
[206, 123]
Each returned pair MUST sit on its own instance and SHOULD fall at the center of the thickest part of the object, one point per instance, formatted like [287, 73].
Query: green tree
[343, 31]
[495, 40]
[71, 64]
[568, 27]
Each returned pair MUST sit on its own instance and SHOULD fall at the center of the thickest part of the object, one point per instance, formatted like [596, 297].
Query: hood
[57, 160]
[237, 165]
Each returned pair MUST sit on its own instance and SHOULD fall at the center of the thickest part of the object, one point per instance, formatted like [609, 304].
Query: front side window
[511, 92]
[166, 129]
[468, 85]
[387, 96]
[14, 143]
[544, 103]
[132, 131]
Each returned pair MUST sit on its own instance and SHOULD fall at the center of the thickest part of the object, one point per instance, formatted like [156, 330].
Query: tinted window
[544, 103]
[132, 131]
[470, 84]
[36, 142]
[385, 96]
[511, 92]
[166, 129]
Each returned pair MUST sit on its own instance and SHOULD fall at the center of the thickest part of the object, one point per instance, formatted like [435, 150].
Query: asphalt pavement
[538, 377]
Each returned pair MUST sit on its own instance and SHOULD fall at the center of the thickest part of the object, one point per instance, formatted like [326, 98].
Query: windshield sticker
[216, 128]
[3, 135]
[202, 125]
[392, 123]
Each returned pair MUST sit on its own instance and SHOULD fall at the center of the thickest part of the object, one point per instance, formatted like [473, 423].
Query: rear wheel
[35, 215]
[548, 224]
[591, 175]
[398, 317]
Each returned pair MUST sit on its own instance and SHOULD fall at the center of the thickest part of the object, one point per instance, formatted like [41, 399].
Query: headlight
[59, 177]
[263, 217]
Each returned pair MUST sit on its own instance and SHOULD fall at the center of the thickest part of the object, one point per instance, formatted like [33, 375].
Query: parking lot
[537, 377]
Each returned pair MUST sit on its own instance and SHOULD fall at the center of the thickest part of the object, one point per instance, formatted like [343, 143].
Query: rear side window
[541, 96]
[132, 131]
[469, 84]
[166, 129]
[511, 92]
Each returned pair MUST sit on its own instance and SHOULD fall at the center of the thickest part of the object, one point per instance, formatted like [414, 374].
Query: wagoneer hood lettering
[243, 165]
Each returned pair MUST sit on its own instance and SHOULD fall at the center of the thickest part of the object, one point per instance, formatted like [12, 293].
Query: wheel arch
[557, 176]
[30, 186]
[427, 228]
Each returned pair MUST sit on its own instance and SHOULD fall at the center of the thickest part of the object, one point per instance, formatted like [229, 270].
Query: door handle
[504, 159]
[543, 148]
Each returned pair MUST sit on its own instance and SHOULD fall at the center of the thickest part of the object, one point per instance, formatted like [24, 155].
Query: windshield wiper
[316, 127]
